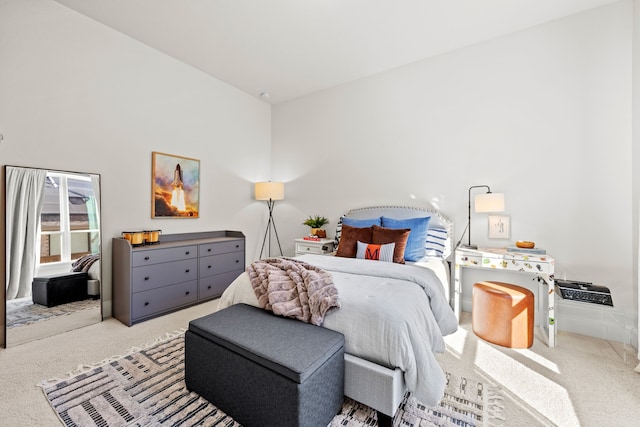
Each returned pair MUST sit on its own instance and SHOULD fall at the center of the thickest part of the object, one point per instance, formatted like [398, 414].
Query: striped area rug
[146, 388]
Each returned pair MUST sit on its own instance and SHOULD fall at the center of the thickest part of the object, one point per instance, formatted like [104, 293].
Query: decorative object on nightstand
[483, 203]
[316, 223]
[270, 191]
[321, 246]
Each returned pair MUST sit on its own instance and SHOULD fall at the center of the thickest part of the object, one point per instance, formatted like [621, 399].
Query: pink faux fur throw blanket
[293, 288]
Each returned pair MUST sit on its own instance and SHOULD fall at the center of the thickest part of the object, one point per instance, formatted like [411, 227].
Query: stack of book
[314, 238]
[530, 251]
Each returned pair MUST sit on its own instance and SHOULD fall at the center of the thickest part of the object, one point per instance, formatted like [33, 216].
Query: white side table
[541, 266]
[319, 247]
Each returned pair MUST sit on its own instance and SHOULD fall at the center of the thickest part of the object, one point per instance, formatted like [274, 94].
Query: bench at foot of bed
[265, 370]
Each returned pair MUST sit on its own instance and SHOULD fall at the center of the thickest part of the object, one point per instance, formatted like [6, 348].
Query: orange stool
[502, 314]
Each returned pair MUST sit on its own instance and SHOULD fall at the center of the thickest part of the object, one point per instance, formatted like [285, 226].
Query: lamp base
[469, 246]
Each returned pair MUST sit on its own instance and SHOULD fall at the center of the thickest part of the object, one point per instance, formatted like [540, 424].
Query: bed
[394, 316]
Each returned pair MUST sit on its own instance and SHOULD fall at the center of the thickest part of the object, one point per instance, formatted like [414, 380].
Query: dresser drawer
[157, 256]
[469, 260]
[161, 299]
[154, 276]
[313, 248]
[537, 264]
[214, 286]
[217, 264]
[221, 247]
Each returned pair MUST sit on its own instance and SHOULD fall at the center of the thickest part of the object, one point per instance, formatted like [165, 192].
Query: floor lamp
[483, 203]
[270, 191]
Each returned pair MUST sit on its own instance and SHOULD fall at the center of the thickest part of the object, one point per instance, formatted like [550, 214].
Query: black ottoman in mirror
[59, 289]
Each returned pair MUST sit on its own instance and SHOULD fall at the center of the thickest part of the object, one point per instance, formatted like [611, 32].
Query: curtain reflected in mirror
[52, 252]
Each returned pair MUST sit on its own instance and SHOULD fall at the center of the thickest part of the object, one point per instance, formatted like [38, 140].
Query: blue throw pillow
[416, 243]
[361, 223]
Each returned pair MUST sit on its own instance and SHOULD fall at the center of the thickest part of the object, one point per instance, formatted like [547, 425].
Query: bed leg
[384, 420]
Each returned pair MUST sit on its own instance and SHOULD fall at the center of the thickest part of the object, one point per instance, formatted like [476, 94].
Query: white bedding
[391, 314]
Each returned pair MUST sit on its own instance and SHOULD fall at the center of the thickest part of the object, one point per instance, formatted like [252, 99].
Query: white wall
[636, 147]
[76, 95]
[542, 115]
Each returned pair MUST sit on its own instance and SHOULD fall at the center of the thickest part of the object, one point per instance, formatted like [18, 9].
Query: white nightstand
[319, 247]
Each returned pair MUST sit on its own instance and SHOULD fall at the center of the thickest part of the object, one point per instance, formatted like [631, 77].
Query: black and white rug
[23, 311]
[146, 388]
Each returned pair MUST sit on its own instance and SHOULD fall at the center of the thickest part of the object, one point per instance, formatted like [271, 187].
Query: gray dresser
[179, 271]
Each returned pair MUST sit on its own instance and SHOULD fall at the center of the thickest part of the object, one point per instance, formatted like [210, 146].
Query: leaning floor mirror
[52, 252]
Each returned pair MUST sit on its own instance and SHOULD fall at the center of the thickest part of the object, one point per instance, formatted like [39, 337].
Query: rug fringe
[495, 408]
[82, 368]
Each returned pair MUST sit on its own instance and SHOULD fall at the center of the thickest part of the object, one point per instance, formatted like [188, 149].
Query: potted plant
[316, 222]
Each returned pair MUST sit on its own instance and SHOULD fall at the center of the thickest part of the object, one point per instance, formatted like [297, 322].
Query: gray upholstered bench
[265, 370]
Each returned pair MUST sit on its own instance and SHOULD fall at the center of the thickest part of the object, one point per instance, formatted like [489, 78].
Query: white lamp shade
[489, 202]
[269, 190]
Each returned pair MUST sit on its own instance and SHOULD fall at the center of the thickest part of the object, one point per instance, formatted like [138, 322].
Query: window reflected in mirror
[69, 219]
[52, 253]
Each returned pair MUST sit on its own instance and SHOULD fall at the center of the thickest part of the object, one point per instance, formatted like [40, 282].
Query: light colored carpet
[581, 382]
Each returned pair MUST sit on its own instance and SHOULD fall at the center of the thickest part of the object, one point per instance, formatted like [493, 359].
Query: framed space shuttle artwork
[175, 186]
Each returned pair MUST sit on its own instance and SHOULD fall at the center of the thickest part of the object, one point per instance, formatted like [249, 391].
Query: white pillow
[376, 252]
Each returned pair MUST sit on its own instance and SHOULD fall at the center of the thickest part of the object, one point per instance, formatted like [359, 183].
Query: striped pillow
[436, 242]
[376, 252]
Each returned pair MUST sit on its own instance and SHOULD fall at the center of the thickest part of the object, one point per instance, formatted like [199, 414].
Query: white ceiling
[291, 48]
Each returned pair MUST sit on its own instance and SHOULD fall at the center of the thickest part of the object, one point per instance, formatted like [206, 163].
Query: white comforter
[391, 314]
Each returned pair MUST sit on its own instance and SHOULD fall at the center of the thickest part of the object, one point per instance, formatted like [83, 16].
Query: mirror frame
[3, 234]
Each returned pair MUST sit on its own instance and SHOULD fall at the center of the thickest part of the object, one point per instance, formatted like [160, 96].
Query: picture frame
[175, 186]
[499, 226]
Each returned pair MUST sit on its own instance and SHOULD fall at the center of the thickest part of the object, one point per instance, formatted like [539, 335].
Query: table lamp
[483, 203]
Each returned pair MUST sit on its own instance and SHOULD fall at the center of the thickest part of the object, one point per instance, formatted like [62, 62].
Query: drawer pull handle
[187, 270]
[237, 261]
[187, 253]
[209, 250]
[186, 293]
[209, 287]
[237, 246]
[209, 266]
[146, 258]
[146, 278]
[146, 303]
